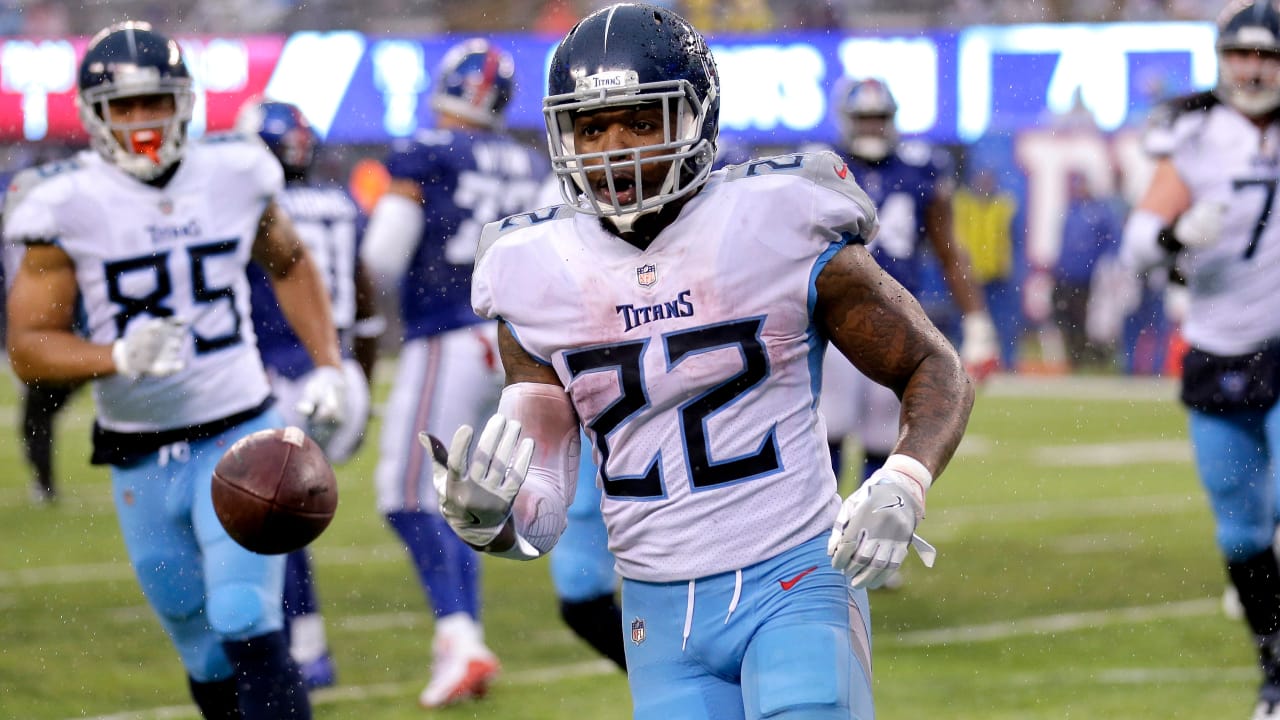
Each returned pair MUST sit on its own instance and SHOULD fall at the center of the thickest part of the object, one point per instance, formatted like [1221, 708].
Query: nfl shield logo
[646, 275]
[637, 631]
[166, 206]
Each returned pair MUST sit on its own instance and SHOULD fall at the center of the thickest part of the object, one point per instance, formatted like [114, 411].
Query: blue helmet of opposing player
[475, 81]
[285, 130]
[1248, 49]
[131, 60]
[865, 112]
[626, 56]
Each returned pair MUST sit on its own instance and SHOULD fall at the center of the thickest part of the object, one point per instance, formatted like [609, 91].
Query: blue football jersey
[330, 224]
[467, 179]
[902, 186]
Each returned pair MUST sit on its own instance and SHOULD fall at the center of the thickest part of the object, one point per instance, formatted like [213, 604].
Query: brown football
[274, 491]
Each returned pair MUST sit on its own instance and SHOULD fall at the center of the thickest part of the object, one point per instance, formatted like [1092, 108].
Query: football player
[446, 183]
[679, 316]
[329, 223]
[1206, 213]
[152, 234]
[911, 187]
[581, 564]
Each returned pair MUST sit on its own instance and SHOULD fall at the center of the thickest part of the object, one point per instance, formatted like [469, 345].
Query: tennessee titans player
[446, 183]
[153, 235]
[679, 316]
[329, 223]
[1206, 214]
[581, 564]
[911, 187]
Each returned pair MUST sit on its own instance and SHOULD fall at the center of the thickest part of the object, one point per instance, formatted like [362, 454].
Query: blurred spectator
[728, 15]
[1090, 229]
[984, 216]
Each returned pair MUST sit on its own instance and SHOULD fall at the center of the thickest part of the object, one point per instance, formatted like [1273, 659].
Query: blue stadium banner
[951, 86]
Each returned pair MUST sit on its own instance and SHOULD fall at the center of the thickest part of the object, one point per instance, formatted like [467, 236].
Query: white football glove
[151, 346]
[876, 526]
[1201, 225]
[324, 402]
[979, 346]
[476, 497]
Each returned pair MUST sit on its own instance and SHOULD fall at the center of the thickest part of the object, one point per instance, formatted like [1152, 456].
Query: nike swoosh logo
[788, 584]
[472, 518]
[892, 505]
[842, 171]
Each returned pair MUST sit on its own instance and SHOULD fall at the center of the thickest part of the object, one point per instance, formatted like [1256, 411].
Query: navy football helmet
[624, 56]
[128, 60]
[475, 81]
[865, 112]
[1249, 57]
[285, 130]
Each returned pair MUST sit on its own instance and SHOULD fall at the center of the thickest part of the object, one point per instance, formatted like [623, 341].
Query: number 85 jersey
[694, 364]
[141, 251]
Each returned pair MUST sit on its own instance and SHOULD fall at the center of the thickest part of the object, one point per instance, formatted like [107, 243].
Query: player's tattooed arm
[297, 284]
[883, 330]
[41, 307]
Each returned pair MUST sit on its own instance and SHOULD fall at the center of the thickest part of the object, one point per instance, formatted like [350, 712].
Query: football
[274, 491]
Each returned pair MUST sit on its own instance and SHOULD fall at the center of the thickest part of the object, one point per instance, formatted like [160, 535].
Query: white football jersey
[1222, 156]
[326, 220]
[694, 364]
[180, 250]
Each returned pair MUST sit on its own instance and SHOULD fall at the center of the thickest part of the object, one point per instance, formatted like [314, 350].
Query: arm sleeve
[546, 415]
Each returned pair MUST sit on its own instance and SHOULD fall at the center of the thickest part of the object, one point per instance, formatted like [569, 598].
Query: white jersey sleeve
[694, 364]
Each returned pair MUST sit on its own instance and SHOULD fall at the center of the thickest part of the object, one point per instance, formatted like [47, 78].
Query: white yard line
[944, 520]
[1064, 622]
[1116, 453]
[1120, 388]
[357, 693]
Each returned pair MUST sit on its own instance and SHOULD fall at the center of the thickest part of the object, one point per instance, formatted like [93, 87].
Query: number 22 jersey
[179, 250]
[694, 364]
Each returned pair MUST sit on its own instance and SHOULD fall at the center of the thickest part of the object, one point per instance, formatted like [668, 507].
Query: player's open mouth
[624, 189]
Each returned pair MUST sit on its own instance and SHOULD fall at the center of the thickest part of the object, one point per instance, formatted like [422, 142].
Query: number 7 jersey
[695, 364]
[1222, 156]
[141, 251]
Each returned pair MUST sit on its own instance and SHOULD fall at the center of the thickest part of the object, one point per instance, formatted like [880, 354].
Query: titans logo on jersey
[659, 347]
[902, 186]
[467, 179]
[330, 225]
[179, 251]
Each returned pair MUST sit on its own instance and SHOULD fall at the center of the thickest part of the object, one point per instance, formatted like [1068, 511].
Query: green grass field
[1077, 578]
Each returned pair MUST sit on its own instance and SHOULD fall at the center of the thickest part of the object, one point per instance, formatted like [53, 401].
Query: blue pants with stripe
[204, 587]
[785, 638]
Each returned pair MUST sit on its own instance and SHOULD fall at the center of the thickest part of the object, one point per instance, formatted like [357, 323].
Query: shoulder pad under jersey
[825, 169]
[26, 180]
[494, 230]
[1172, 121]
